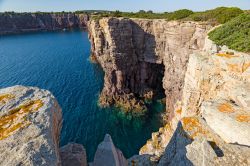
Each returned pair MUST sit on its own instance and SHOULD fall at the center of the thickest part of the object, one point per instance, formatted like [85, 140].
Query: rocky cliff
[213, 113]
[27, 22]
[140, 56]
[206, 87]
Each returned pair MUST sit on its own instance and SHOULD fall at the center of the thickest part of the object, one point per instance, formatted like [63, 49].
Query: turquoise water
[58, 61]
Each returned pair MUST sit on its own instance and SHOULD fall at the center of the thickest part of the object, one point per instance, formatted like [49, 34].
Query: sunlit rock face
[30, 22]
[214, 108]
[30, 124]
[142, 55]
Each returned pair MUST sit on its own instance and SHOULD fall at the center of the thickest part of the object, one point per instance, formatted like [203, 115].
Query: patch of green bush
[235, 34]
[218, 15]
[180, 14]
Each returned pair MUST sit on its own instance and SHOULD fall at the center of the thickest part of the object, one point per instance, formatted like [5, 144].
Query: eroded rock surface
[206, 87]
[214, 107]
[30, 124]
[142, 55]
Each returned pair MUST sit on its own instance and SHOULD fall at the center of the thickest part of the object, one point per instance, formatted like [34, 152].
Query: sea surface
[59, 62]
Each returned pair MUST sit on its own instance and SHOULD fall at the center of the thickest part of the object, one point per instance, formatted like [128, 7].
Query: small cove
[59, 62]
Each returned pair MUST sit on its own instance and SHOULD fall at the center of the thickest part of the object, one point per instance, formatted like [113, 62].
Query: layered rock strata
[206, 87]
[30, 124]
[214, 108]
[140, 56]
[11, 23]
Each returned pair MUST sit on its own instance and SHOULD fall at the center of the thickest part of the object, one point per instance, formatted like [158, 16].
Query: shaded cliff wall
[29, 22]
[128, 48]
[214, 106]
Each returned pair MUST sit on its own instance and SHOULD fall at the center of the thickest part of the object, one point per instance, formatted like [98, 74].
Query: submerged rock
[30, 125]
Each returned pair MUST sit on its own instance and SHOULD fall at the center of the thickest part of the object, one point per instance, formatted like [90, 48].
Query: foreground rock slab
[231, 122]
[30, 124]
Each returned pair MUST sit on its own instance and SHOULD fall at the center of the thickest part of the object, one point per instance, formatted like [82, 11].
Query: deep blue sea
[59, 62]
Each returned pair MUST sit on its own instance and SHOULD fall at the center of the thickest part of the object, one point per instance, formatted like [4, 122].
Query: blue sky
[123, 5]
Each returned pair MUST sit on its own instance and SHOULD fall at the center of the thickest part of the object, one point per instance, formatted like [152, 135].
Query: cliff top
[219, 15]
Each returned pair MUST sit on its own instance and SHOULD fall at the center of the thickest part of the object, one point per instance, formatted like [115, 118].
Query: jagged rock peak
[108, 155]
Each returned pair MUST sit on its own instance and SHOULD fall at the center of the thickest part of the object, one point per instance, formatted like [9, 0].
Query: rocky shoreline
[206, 87]
[14, 23]
[207, 98]
[141, 56]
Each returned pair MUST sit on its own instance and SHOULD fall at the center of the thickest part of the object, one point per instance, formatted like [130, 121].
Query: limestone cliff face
[206, 86]
[136, 53]
[214, 107]
[26, 22]
[30, 125]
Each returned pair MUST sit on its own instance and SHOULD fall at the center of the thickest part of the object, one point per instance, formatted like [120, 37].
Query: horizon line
[68, 11]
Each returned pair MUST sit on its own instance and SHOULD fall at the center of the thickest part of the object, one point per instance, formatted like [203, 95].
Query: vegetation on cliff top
[218, 15]
[235, 34]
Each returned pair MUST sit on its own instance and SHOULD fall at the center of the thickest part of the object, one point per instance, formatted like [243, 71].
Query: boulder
[30, 125]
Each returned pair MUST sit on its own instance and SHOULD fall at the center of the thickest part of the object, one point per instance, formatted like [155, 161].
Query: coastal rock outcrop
[206, 87]
[140, 56]
[73, 154]
[30, 125]
[214, 107]
[11, 23]
[108, 155]
[207, 96]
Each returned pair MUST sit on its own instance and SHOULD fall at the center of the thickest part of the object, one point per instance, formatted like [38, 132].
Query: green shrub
[179, 14]
[218, 15]
[235, 33]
